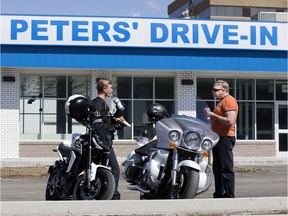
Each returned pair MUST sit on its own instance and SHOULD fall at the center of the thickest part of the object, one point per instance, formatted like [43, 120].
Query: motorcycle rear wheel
[187, 184]
[102, 188]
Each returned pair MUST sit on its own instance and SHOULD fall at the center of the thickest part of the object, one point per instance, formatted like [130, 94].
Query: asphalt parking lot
[260, 190]
[251, 181]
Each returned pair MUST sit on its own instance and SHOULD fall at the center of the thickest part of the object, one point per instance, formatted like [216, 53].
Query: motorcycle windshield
[200, 106]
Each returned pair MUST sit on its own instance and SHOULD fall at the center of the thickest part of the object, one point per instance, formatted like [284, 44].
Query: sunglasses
[216, 90]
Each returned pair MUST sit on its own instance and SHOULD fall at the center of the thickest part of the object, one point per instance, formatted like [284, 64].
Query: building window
[137, 93]
[264, 89]
[204, 88]
[246, 12]
[42, 106]
[281, 90]
[246, 120]
[197, 2]
[255, 11]
[255, 99]
[245, 89]
[205, 14]
[265, 120]
[178, 12]
[226, 11]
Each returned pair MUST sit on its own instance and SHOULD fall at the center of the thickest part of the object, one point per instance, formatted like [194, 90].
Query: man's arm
[228, 119]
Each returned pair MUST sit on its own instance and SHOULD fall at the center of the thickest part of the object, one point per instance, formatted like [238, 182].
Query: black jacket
[102, 120]
[103, 116]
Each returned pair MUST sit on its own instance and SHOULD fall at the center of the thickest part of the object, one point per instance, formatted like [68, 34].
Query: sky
[125, 8]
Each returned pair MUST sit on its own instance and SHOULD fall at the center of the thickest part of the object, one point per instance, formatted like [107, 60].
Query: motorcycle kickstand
[172, 196]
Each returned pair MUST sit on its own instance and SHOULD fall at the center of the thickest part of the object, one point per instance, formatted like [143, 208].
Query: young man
[104, 120]
[223, 121]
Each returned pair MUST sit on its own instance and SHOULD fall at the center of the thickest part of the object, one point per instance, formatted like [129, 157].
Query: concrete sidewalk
[239, 206]
[240, 161]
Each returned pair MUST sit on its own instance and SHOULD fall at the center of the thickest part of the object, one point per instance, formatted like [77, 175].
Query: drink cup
[118, 103]
[205, 113]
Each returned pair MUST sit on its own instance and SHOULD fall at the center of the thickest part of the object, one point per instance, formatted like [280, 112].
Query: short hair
[102, 83]
[223, 84]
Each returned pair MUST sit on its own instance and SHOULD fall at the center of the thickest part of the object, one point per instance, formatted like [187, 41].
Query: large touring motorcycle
[171, 161]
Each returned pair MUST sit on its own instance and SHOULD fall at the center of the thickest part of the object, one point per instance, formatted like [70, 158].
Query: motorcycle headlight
[174, 135]
[206, 145]
[192, 140]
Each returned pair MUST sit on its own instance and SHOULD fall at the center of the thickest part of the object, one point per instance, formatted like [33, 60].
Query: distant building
[226, 9]
[271, 16]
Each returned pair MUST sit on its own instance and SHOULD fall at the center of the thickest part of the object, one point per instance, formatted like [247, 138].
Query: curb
[253, 206]
[38, 162]
[27, 162]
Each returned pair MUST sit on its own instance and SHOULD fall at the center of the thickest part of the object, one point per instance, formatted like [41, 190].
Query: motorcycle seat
[143, 150]
[64, 149]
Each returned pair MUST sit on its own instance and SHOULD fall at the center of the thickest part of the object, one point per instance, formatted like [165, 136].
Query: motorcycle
[172, 160]
[82, 171]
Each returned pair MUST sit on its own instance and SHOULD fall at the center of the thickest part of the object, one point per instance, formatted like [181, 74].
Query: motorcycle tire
[52, 192]
[187, 184]
[102, 188]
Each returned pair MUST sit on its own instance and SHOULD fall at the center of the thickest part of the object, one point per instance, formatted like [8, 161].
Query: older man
[223, 121]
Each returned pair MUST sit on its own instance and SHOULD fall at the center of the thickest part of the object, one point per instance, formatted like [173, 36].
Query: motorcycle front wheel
[102, 188]
[187, 184]
[52, 189]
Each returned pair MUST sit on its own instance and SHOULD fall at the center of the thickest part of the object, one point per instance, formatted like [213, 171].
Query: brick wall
[243, 148]
[253, 148]
[43, 149]
[9, 114]
[38, 149]
[185, 94]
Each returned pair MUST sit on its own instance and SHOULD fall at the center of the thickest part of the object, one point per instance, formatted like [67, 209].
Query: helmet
[78, 107]
[157, 111]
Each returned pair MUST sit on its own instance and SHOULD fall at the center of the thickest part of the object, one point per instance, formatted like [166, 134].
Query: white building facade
[45, 59]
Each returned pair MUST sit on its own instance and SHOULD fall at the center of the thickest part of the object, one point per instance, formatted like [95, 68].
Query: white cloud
[154, 5]
[134, 13]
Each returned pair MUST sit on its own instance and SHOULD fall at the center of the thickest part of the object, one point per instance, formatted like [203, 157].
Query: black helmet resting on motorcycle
[78, 107]
[157, 111]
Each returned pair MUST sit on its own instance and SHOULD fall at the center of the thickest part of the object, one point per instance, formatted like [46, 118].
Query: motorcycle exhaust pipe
[136, 187]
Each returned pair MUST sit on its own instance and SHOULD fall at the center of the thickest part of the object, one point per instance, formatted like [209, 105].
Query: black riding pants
[223, 168]
[113, 163]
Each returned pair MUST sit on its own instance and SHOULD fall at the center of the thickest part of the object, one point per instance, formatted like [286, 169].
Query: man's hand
[228, 119]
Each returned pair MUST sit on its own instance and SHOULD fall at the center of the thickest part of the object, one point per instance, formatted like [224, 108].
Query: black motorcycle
[82, 171]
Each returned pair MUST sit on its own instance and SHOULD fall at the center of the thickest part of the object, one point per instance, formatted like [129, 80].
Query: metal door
[281, 128]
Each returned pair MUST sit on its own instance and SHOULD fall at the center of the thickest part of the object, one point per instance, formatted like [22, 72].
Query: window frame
[252, 101]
